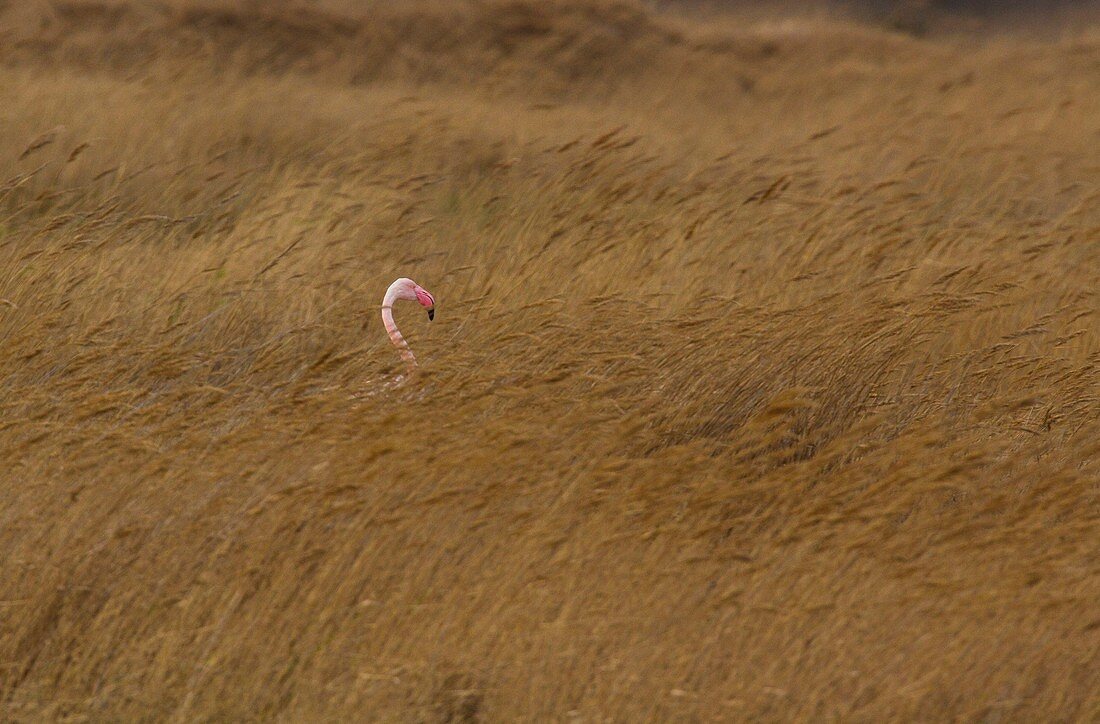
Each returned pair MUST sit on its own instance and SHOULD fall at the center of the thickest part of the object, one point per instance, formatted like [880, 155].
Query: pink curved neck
[392, 330]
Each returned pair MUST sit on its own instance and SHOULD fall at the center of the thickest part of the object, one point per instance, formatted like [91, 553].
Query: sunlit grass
[762, 384]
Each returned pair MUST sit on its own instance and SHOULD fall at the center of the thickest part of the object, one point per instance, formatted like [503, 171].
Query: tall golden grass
[763, 383]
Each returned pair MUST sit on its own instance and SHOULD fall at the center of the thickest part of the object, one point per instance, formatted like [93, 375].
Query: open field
[764, 381]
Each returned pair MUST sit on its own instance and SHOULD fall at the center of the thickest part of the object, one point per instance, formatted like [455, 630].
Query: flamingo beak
[426, 300]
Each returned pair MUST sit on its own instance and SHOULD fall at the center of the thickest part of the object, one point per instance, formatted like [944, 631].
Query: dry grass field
[764, 382]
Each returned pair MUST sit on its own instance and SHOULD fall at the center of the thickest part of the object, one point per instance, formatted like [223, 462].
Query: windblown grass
[763, 385]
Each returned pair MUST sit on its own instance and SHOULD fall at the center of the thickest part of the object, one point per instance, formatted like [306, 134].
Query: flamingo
[407, 289]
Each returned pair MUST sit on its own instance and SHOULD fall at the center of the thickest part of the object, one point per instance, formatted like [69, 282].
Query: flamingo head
[405, 288]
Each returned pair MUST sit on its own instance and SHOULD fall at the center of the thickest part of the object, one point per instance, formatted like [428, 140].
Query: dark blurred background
[921, 17]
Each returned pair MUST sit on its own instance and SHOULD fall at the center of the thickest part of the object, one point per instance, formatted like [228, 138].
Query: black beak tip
[431, 314]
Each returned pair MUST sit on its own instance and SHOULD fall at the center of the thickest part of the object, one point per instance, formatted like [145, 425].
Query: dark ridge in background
[923, 17]
[562, 49]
